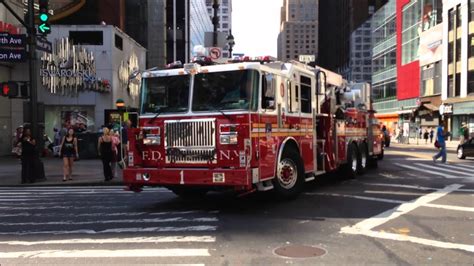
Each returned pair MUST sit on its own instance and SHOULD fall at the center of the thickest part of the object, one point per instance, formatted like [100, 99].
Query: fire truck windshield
[230, 90]
[165, 94]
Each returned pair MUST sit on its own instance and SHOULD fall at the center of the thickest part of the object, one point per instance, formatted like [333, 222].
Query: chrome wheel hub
[287, 173]
[460, 153]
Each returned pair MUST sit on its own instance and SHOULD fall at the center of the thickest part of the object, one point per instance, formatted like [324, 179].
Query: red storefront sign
[9, 28]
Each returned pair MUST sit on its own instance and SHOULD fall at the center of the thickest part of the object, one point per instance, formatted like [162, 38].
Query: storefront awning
[459, 100]
[430, 107]
[403, 112]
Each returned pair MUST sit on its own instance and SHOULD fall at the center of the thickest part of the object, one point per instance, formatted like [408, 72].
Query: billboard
[431, 45]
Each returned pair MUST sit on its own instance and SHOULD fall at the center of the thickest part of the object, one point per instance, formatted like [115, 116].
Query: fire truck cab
[249, 126]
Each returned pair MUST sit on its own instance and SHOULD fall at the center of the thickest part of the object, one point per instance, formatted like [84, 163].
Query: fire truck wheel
[380, 156]
[350, 168]
[289, 177]
[363, 159]
[189, 193]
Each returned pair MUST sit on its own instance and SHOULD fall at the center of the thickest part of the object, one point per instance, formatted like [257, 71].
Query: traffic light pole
[33, 72]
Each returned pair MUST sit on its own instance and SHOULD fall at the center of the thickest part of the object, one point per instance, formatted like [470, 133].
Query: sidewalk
[85, 173]
[450, 145]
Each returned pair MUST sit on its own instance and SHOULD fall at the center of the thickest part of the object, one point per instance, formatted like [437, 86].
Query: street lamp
[230, 42]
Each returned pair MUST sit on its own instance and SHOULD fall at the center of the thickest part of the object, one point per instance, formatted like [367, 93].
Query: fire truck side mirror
[135, 77]
[269, 104]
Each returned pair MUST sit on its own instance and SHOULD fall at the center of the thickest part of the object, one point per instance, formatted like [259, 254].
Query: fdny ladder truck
[249, 126]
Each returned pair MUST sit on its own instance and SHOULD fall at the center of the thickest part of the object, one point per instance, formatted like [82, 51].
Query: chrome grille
[190, 141]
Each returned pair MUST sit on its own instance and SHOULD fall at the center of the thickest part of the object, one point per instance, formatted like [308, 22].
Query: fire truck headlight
[152, 140]
[229, 139]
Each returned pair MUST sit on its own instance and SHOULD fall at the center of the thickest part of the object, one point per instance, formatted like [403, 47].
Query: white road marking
[365, 227]
[100, 214]
[460, 167]
[177, 252]
[402, 209]
[61, 208]
[417, 240]
[413, 187]
[199, 228]
[403, 193]
[450, 207]
[463, 174]
[163, 239]
[356, 197]
[149, 220]
[465, 165]
[424, 170]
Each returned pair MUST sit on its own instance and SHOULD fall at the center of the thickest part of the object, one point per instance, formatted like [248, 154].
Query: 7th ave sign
[12, 47]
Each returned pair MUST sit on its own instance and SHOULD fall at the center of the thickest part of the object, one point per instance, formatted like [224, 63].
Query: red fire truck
[249, 126]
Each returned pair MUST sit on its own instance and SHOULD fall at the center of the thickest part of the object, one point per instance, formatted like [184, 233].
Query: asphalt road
[408, 211]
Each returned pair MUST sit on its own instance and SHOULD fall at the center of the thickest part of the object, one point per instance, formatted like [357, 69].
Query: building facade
[86, 74]
[458, 64]
[298, 29]
[224, 13]
[360, 64]
[384, 65]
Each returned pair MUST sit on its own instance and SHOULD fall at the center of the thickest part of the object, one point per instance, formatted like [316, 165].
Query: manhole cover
[299, 251]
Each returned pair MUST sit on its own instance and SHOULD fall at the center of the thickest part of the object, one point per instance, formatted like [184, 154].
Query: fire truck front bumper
[190, 177]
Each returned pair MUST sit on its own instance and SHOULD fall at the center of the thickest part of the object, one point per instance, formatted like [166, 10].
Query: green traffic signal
[44, 17]
[44, 28]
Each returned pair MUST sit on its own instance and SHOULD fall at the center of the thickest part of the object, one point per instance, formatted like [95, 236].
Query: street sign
[215, 53]
[12, 40]
[12, 56]
[44, 45]
[307, 58]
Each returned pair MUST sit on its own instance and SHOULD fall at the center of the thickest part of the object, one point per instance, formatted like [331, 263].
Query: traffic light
[9, 89]
[44, 27]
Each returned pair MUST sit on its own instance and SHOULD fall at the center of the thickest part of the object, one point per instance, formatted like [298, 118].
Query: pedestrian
[106, 153]
[28, 157]
[57, 137]
[115, 148]
[16, 145]
[440, 143]
[463, 133]
[431, 135]
[426, 136]
[68, 151]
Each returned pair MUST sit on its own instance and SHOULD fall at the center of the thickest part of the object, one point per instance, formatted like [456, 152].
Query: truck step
[309, 178]
[265, 185]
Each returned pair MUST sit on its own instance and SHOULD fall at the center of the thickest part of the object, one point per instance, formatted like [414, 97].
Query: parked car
[466, 149]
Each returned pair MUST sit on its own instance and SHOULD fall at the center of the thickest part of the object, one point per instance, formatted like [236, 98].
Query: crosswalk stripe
[163, 239]
[197, 228]
[414, 187]
[459, 167]
[101, 214]
[423, 170]
[442, 169]
[465, 165]
[149, 220]
[98, 253]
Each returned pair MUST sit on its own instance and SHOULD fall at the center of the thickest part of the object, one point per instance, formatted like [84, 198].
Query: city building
[458, 64]
[224, 13]
[384, 72]
[298, 29]
[430, 57]
[86, 74]
[337, 20]
[360, 64]
[11, 110]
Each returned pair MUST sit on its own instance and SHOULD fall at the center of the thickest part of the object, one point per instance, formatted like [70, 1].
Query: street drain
[299, 251]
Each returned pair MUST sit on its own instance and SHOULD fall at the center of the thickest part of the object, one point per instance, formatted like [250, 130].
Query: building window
[410, 39]
[118, 42]
[87, 37]
[432, 13]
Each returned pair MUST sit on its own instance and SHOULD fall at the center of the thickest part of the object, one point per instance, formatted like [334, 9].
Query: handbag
[436, 144]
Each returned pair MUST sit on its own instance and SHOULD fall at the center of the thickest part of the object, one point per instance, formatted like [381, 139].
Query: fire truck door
[268, 127]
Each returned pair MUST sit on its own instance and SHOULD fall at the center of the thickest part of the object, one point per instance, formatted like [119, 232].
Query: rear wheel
[461, 154]
[380, 156]
[289, 179]
[350, 168]
[363, 159]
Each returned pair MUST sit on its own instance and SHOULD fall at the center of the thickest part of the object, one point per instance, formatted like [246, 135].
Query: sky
[255, 26]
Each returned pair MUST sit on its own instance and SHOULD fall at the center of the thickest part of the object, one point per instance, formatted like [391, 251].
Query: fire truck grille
[190, 141]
